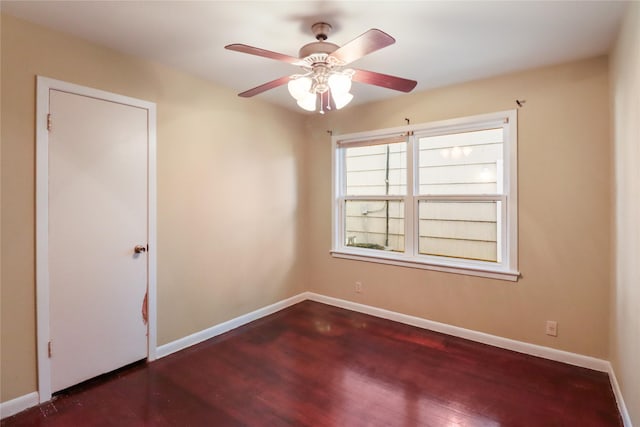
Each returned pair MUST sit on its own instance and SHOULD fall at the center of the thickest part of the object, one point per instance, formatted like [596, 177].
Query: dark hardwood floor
[317, 365]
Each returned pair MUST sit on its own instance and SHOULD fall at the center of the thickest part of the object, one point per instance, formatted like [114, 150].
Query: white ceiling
[437, 42]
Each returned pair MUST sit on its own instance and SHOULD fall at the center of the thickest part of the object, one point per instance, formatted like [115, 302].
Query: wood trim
[493, 340]
[221, 328]
[19, 404]
[24, 402]
[358, 254]
[152, 236]
[42, 238]
[622, 407]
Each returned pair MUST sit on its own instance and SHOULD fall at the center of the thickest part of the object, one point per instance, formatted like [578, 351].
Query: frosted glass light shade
[340, 100]
[308, 102]
[299, 88]
[339, 83]
[306, 88]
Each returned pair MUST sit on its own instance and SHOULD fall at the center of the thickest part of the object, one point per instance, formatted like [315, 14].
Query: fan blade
[262, 52]
[362, 45]
[384, 80]
[265, 87]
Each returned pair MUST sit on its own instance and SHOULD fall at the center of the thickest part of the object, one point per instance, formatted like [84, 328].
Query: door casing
[44, 85]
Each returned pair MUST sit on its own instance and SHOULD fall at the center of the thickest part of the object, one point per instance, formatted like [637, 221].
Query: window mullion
[409, 200]
[338, 191]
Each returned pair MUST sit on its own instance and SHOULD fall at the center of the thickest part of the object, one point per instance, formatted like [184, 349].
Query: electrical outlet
[552, 328]
[359, 287]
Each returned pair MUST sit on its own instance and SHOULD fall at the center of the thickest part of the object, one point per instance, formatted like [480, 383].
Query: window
[439, 196]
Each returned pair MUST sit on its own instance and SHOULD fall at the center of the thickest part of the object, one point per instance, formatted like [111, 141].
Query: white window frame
[505, 269]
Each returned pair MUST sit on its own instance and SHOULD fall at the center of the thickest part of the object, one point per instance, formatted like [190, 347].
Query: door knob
[140, 248]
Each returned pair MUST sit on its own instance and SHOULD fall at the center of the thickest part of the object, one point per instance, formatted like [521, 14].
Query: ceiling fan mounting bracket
[312, 51]
[321, 30]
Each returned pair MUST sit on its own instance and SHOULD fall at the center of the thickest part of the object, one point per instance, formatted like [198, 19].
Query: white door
[97, 216]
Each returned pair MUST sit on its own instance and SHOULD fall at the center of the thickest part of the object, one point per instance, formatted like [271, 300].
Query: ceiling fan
[325, 83]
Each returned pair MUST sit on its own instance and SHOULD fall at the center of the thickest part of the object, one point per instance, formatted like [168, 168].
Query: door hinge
[49, 121]
[50, 349]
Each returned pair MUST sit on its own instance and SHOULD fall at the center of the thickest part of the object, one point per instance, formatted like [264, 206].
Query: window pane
[461, 163]
[376, 169]
[467, 230]
[375, 224]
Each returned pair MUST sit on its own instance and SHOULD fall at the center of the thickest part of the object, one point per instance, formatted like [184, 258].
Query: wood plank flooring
[317, 365]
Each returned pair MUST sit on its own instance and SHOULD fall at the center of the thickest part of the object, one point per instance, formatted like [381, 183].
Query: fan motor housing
[317, 47]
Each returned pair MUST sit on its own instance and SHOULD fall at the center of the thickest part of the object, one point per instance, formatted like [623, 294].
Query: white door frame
[44, 85]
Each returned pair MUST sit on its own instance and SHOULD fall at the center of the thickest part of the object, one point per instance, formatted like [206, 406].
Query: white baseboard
[19, 404]
[496, 341]
[221, 328]
[626, 418]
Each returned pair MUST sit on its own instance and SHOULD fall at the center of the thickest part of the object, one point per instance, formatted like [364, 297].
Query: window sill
[390, 259]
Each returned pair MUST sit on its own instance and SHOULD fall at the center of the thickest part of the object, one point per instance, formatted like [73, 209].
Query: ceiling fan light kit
[309, 88]
[325, 84]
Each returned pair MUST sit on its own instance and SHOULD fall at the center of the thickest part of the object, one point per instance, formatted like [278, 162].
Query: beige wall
[564, 211]
[222, 161]
[625, 325]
